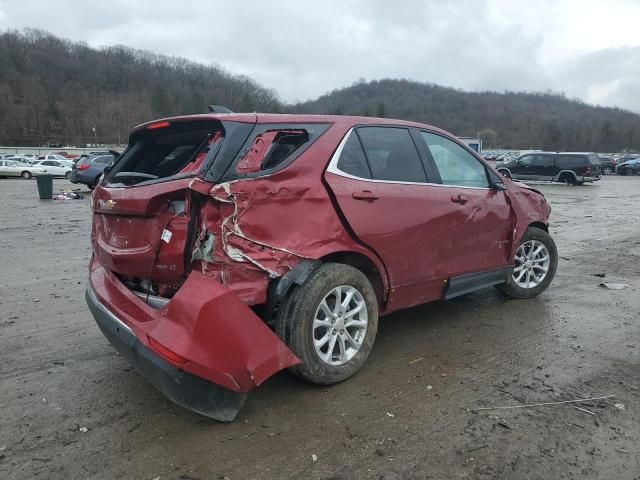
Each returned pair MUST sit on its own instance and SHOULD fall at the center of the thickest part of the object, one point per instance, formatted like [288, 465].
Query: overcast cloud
[587, 49]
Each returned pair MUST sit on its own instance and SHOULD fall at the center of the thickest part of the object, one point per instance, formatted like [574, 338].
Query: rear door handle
[365, 195]
[459, 199]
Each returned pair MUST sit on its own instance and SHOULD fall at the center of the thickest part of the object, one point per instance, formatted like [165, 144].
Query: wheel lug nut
[334, 331]
[341, 332]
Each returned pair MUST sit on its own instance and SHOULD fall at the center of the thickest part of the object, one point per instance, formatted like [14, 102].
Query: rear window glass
[391, 154]
[165, 152]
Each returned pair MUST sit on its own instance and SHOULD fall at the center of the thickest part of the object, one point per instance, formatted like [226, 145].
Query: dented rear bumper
[204, 349]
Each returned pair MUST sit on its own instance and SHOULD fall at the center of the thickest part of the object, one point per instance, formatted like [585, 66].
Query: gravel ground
[71, 408]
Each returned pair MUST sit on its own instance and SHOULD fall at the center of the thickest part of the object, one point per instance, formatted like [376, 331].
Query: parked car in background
[92, 154]
[57, 168]
[630, 167]
[10, 168]
[89, 170]
[22, 159]
[228, 247]
[607, 164]
[567, 167]
[51, 156]
[68, 155]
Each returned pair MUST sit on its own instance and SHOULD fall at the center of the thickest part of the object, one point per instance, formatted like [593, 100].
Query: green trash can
[45, 186]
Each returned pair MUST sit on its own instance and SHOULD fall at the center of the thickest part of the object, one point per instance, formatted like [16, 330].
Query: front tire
[535, 264]
[330, 323]
[26, 175]
[607, 170]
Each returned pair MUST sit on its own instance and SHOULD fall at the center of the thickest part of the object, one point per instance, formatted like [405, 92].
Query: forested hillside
[510, 120]
[55, 90]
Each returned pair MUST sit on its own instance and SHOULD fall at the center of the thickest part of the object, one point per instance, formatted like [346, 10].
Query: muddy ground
[71, 408]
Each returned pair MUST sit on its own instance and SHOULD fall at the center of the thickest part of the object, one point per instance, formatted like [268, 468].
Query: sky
[584, 48]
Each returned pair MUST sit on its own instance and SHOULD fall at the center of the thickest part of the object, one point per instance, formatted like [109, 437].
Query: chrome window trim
[333, 168]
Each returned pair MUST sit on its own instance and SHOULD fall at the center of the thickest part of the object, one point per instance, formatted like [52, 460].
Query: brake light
[588, 170]
[82, 167]
[154, 126]
[166, 353]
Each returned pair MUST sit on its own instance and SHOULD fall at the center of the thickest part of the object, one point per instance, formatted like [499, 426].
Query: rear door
[546, 166]
[382, 189]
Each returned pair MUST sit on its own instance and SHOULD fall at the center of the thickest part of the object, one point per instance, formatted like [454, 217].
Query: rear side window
[352, 159]
[391, 154]
[105, 160]
[455, 165]
[569, 161]
[271, 148]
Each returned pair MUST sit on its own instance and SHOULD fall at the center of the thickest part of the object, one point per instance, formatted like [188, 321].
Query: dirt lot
[72, 408]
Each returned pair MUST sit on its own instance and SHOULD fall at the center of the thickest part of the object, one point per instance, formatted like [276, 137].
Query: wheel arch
[366, 266]
[566, 172]
[540, 225]
[503, 170]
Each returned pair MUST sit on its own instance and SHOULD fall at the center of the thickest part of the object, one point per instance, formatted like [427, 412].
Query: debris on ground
[544, 404]
[619, 407]
[314, 458]
[69, 195]
[600, 275]
[614, 286]
[83, 429]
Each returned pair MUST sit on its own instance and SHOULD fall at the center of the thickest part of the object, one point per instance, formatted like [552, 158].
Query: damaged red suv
[227, 247]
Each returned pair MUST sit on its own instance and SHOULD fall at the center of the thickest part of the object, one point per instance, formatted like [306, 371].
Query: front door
[480, 235]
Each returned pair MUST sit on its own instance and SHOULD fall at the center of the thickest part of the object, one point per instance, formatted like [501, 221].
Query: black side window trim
[314, 130]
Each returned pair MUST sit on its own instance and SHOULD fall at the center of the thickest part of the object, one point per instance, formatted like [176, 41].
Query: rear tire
[332, 344]
[567, 179]
[505, 173]
[533, 236]
[67, 175]
[26, 175]
[607, 170]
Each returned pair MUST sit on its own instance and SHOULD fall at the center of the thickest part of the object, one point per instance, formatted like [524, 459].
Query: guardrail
[45, 150]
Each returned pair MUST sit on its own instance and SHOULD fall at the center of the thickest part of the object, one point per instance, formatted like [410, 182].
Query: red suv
[227, 247]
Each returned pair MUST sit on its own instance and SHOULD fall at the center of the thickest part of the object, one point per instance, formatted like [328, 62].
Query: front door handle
[365, 195]
[459, 199]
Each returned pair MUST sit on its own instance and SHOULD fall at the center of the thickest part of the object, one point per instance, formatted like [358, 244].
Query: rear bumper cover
[225, 349]
[180, 387]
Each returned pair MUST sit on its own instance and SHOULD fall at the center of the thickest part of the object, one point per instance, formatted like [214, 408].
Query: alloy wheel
[340, 325]
[531, 264]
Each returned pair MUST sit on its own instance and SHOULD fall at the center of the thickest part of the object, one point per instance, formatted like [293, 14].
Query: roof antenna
[218, 109]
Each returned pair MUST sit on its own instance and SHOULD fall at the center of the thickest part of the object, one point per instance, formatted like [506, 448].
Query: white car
[53, 156]
[10, 168]
[57, 168]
